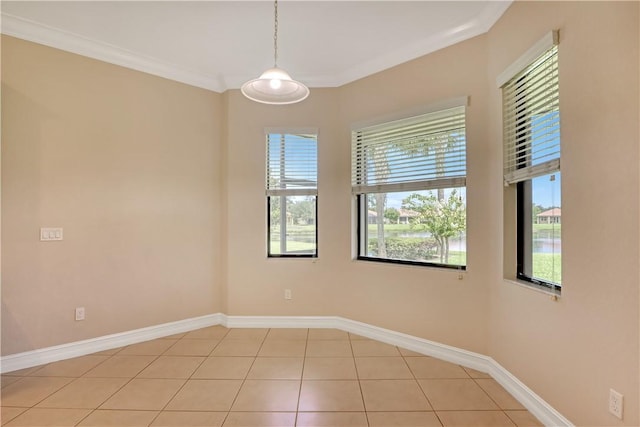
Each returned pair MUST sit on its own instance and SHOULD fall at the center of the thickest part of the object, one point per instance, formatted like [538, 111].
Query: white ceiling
[219, 45]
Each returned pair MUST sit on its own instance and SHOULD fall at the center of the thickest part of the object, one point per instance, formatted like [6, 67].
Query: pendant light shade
[275, 86]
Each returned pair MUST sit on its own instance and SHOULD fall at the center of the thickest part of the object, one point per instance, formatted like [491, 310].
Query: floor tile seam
[438, 378]
[469, 410]
[114, 393]
[244, 381]
[304, 363]
[15, 416]
[511, 419]
[164, 353]
[97, 406]
[415, 378]
[497, 408]
[155, 357]
[355, 365]
[382, 357]
[204, 358]
[487, 393]
[119, 410]
[169, 400]
[183, 384]
[51, 393]
[33, 374]
[86, 416]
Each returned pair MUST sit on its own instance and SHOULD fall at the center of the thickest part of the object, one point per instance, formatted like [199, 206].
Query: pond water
[544, 241]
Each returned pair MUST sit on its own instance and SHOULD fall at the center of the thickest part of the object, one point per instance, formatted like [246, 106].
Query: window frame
[291, 254]
[362, 218]
[521, 178]
[284, 193]
[360, 196]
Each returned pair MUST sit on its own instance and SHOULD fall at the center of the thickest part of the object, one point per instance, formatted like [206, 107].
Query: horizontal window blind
[417, 153]
[531, 117]
[292, 164]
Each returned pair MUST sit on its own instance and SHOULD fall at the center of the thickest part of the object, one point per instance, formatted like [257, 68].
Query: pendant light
[275, 86]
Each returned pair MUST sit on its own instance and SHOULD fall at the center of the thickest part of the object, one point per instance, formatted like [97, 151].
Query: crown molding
[70, 42]
[472, 28]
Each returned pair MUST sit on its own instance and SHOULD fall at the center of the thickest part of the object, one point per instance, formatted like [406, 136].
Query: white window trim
[359, 190]
[461, 101]
[545, 43]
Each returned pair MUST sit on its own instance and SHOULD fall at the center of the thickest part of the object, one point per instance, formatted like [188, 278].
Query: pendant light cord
[275, 34]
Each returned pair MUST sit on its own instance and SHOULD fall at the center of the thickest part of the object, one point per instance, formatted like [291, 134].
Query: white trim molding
[36, 32]
[545, 43]
[28, 359]
[544, 412]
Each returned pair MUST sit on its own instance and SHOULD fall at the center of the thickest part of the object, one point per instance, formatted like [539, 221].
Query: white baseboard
[28, 359]
[534, 403]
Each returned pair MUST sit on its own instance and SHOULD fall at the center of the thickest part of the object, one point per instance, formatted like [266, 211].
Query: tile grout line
[188, 378]
[263, 343]
[493, 400]
[127, 382]
[245, 376]
[355, 366]
[304, 362]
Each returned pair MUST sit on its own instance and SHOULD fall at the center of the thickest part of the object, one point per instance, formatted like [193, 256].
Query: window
[409, 180]
[292, 194]
[531, 116]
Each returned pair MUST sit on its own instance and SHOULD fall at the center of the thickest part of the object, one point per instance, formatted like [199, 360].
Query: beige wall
[430, 303]
[160, 189]
[129, 165]
[573, 351]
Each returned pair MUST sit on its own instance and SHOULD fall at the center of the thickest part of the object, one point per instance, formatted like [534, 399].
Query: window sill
[406, 263]
[555, 295]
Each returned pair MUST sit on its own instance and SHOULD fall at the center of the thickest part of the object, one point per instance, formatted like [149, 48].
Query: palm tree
[437, 144]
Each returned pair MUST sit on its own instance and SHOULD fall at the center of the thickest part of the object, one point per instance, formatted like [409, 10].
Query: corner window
[409, 181]
[292, 195]
[531, 116]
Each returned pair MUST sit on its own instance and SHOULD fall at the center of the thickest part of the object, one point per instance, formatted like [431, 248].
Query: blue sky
[546, 193]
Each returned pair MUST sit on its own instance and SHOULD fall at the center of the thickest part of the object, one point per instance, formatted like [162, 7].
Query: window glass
[540, 237]
[532, 147]
[292, 182]
[426, 226]
[293, 233]
[409, 178]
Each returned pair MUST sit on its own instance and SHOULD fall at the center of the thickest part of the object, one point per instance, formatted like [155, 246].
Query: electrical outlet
[287, 294]
[616, 402]
[79, 313]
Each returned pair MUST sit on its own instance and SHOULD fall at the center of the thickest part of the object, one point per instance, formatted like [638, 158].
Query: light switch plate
[49, 234]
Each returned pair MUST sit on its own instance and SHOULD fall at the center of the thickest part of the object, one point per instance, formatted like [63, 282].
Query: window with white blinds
[292, 164]
[292, 193]
[531, 118]
[418, 153]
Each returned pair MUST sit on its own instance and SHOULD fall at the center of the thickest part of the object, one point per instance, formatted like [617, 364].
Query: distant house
[406, 216]
[551, 216]
[372, 217]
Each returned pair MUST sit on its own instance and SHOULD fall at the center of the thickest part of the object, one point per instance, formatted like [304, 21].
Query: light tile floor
[257, 377]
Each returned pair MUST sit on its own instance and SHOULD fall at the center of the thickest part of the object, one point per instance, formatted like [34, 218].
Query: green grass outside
[545, 266]
[548, 267]
[292, 246]
[456, 258]
[373, 228]
[540, 227]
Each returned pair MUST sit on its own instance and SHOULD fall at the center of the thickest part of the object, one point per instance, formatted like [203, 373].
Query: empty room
[320, 213]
